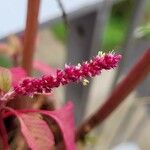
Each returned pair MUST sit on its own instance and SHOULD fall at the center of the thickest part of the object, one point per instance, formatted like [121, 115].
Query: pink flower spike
[70, 74]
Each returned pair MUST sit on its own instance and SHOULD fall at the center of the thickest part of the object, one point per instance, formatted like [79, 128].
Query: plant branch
[30, 34]
[64, 15]
[140, 71]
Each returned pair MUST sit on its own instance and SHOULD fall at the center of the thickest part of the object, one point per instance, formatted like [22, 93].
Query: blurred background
[73, 31]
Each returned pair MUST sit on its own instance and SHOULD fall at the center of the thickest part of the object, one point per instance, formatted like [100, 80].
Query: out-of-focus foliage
[59, 31]
[143, 31]
[114, 33]
[5, 61]
[122, 8]
[115, 29]
[117, 25]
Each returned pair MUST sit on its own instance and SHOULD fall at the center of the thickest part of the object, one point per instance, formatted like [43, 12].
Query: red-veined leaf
[65, 119]
[35, 130]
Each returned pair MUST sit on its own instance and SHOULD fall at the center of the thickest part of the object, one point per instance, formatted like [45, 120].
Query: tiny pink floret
[45, 84]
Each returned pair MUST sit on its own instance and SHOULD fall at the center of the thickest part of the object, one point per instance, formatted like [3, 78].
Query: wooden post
[30, 34]
[85, 38]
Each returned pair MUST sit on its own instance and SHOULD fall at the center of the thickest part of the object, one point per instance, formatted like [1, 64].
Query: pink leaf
[43, 68]
[65, 120]
[35, 130]
[17, 74]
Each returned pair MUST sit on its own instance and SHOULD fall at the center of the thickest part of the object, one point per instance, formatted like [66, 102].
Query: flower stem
[139, 71]
[30, 34]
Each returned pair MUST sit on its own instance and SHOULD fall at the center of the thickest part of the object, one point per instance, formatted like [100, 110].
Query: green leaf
[5, 61]
[143, 31]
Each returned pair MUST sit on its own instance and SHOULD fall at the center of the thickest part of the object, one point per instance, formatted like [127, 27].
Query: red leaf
[35, 130]
[65, 119]
[17, 74]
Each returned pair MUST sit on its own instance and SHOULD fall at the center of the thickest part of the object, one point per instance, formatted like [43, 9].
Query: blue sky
[13, 13]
